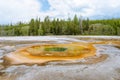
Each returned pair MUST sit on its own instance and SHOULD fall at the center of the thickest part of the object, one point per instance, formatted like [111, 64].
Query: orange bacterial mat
[50, 52]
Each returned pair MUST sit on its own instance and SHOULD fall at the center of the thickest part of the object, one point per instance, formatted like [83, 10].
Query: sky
[13, 11]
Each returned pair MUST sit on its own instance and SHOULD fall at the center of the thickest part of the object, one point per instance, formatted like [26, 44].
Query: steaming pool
[60, 58]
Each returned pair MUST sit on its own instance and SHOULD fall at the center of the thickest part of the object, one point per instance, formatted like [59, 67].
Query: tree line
[75, 26]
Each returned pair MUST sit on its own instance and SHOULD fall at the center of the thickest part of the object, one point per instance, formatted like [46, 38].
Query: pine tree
[31, 29]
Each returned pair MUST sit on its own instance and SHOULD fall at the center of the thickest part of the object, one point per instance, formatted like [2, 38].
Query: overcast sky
[12, 11]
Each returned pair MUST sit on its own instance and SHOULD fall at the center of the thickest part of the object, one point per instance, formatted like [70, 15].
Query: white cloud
[24, 10]
[18, 10]
[86, 8]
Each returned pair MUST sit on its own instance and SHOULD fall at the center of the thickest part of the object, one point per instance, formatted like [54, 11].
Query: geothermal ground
[104, 66]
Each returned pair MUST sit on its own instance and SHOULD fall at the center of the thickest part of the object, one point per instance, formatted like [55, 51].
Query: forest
[71, 26]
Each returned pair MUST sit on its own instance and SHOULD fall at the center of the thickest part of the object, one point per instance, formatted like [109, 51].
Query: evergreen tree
[31, 29]
[58, 26]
